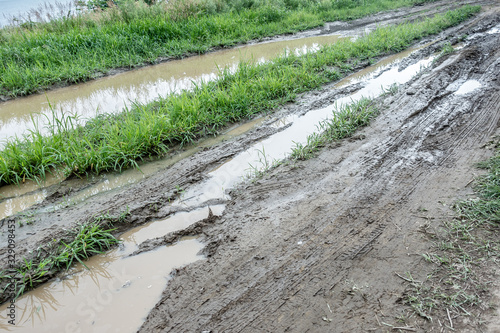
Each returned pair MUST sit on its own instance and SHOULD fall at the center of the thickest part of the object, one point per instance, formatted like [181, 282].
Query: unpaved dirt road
[315, 246]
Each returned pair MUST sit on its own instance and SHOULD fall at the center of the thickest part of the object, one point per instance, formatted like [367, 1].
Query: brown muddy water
[95, 300]
[113, 93]
[16, 198]
[116, 292]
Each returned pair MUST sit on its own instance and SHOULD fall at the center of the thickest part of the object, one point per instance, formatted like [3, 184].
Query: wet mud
[312, 246]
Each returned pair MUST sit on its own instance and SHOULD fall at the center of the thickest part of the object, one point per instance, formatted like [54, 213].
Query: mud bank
[315, 245]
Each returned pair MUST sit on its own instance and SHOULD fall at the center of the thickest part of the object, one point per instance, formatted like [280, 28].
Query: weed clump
[84, 241]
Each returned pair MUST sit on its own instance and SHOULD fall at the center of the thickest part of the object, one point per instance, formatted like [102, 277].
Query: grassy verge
[35, 56]
[465, 252]
[83, 242]
[344, 122]
[114, 142]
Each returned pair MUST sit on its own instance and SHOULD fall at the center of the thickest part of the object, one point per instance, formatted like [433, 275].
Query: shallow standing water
[111, 94]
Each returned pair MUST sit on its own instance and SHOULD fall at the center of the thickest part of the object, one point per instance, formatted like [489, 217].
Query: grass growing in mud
[465, 252]
[35, 56]
[345, 120]
[114, 142]
[86, 240]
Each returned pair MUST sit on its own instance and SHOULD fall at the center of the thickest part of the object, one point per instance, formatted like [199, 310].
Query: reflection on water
[468, 87]
[113, 93]
[16, 198]
[178, 221]
[369, 71]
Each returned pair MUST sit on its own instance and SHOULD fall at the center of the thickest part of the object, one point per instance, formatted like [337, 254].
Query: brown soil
[315, 246]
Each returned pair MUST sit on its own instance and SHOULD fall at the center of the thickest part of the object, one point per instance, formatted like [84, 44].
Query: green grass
[464, 252]
[344, 122]
[86, 240]
[486, 208]
[71, 50]
[115, 142]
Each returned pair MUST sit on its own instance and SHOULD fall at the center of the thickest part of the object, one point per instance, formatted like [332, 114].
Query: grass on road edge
[465, 253]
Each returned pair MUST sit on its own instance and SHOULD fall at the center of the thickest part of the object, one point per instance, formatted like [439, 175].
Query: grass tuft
[85, 241]
[345, 120]
[463, 254]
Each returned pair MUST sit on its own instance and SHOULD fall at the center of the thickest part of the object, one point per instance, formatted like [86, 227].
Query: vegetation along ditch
[348, 119]
[116, 142]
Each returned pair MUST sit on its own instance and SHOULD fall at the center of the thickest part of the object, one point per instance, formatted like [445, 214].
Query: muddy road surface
[316, 245]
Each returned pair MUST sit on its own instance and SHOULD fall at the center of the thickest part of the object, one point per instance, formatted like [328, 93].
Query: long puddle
[118, 291]
[111, 94]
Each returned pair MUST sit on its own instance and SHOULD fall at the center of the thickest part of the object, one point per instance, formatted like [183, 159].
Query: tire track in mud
[338, 217]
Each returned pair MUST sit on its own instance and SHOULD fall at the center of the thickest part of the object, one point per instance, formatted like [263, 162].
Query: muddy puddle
[96, 299]
[113, 93]
[468, 87]
[17, 198]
